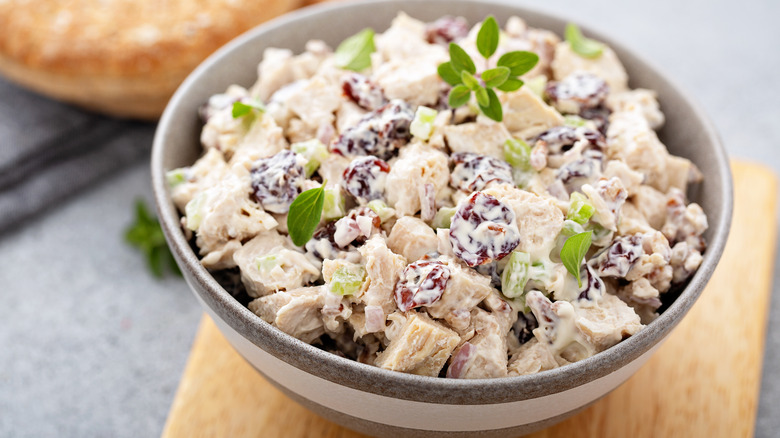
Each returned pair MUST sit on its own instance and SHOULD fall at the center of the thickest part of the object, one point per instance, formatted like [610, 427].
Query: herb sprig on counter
[585, 47]
[354, 53]
[461, 72]
[147, 235]
[305, 213]
[574, 250]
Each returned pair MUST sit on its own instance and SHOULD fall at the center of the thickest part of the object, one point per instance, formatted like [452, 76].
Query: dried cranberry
[364, 178]
[524, 327]
[562, 138]
[322, 243]
[582, 170]
[592, 285]
[446, 30]
[576, 92]
[364, 92]
[422, 283]
[473, 172]
[379, 133]
[618, 258]
[483, 229]
[598, 115]
[278, 180]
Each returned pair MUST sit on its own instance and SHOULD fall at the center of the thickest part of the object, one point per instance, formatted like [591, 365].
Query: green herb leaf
[305, 213]
[518, 62]
[511, 84]
[482, 96]
[147, 235]
[469, 80]
[582, 46]
[487, 38]
[354, 53]
[448, 73]
[241, 109]
[459, 96]
[574, 250]
[493, 108]
[495, 76]
[461, 60]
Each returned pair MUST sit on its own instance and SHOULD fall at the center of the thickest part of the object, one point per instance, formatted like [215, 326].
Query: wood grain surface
[703, 381]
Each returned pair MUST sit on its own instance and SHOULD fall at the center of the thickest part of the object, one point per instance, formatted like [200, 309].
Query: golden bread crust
[123, 57]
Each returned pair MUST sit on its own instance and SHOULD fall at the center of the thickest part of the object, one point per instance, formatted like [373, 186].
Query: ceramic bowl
[381, 402]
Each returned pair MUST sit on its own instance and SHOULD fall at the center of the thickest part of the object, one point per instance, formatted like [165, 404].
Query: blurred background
[94, 345]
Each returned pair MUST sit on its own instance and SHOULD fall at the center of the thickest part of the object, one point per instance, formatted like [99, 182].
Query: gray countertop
[92, 345]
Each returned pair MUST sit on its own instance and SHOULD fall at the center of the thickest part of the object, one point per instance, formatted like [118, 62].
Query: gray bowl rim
[403, 386]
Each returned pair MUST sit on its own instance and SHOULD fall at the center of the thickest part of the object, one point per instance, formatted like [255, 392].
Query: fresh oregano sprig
[585, 47]
[305, 213]
[354, 53]
[574, 250]
[461, 72]
[147, 235]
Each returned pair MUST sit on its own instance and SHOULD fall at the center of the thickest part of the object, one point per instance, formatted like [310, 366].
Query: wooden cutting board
[703, 382]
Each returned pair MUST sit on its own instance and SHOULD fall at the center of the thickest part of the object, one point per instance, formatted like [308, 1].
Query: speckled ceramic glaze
[381, 402]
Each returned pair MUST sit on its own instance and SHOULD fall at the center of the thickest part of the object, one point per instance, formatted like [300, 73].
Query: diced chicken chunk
[270, 263]
[532, 358]
[606, 322]
[296, 313]
[422, 347]
[414, 80]
[225, 212]
[205, 173]
[484, 138]
[412, 238]
[640, 99]
[383, 268]
[526, 115]
[538, 219]
[264, 139]
[316, 102]
[416, 166]
[465, 289]
[486, 352]
[607, 66]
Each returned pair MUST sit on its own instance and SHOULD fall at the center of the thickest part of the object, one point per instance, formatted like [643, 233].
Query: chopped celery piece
[194, 210]
[333, 205]
[537, 85]
[443, 217]
[381, 209]
[574, 121]
[517, 153]
[314, 151]
[516, 274]
[176, 176]
[540, 270]
[266, 263]
[422, 125]
[571, 228]
[347, 280]
[580, 208]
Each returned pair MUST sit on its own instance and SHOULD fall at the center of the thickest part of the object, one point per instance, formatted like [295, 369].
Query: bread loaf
[120, 57]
